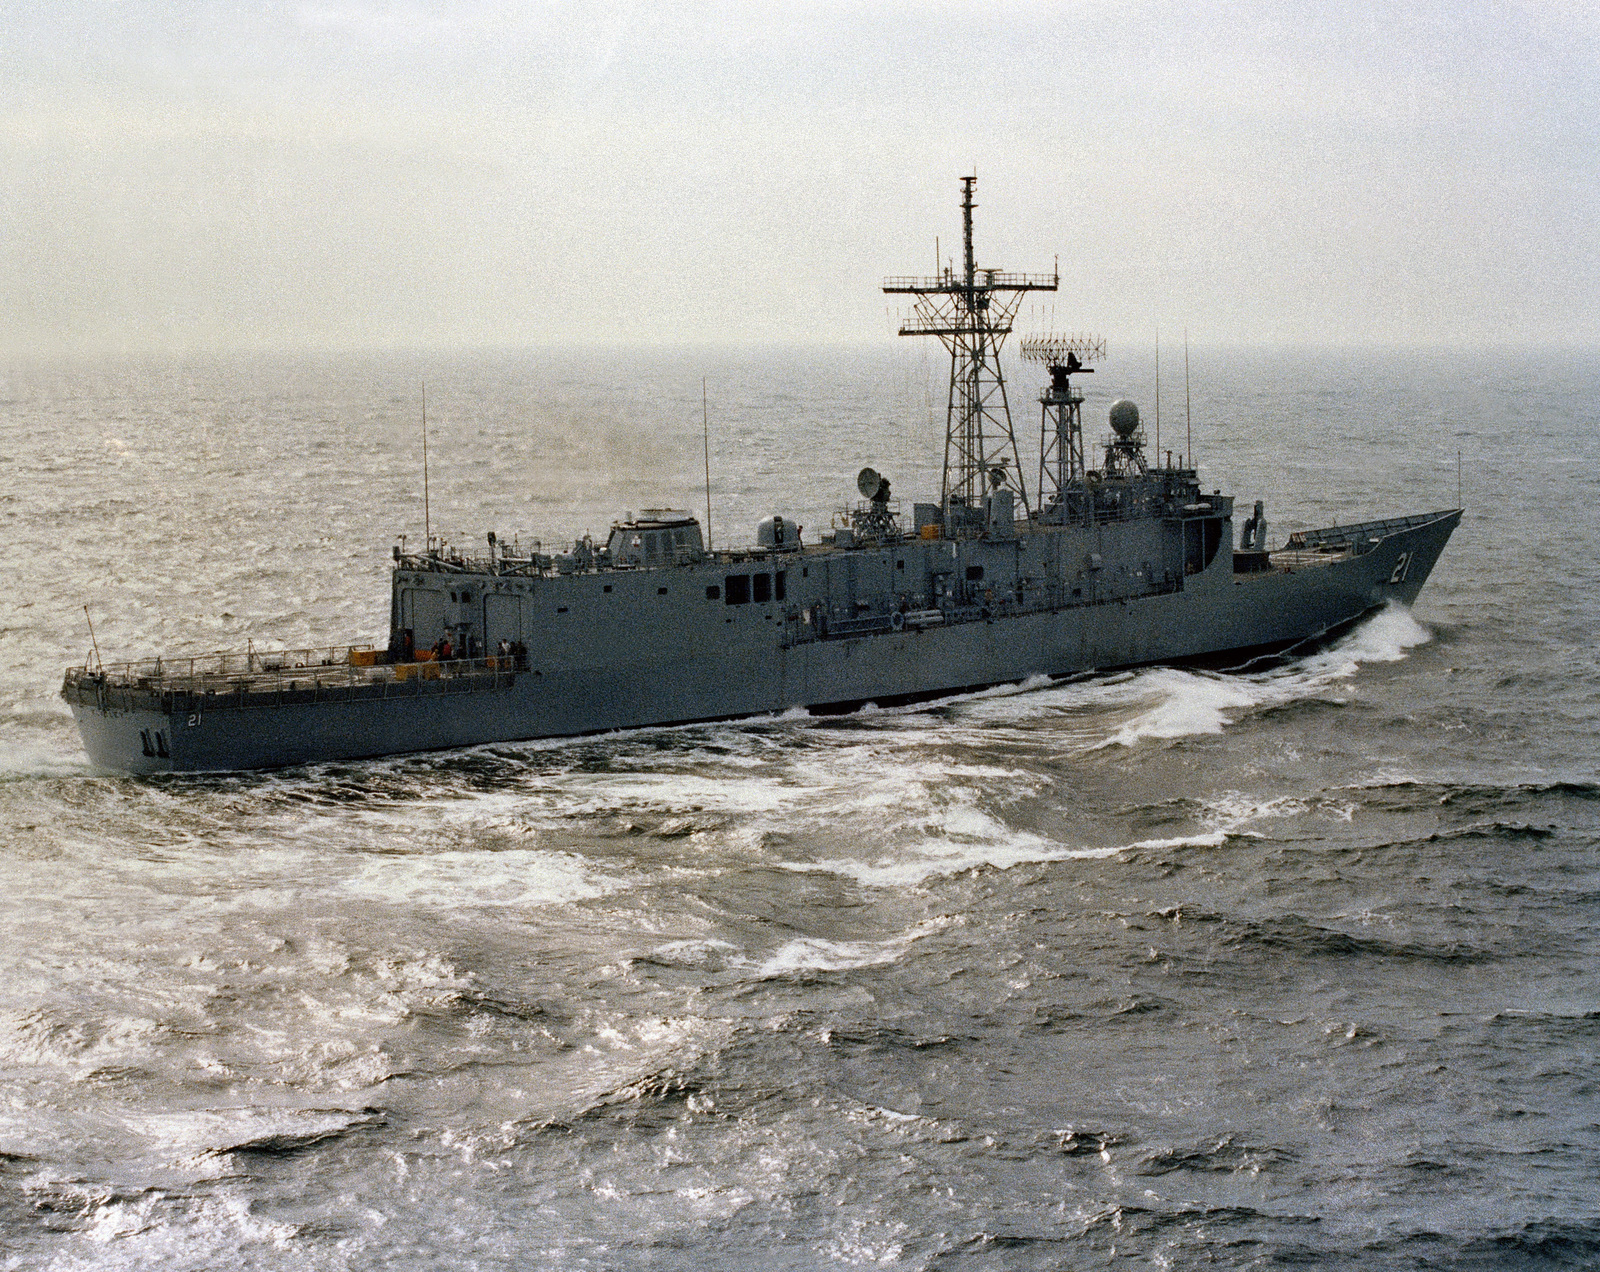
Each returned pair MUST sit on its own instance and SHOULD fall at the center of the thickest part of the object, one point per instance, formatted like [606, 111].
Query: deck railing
[1360, 537]
[254, 671]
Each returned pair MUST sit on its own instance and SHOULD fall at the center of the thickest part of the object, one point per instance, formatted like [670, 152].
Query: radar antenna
[970, 312]
[875, 521]
[1061, 462]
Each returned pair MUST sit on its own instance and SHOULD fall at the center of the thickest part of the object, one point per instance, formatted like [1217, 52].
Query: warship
[1091, 559]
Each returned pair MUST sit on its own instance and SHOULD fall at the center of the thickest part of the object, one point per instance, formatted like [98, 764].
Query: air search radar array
[1061, 459]
[1071, 352]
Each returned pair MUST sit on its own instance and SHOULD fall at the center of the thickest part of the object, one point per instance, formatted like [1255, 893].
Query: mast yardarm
[971, 314]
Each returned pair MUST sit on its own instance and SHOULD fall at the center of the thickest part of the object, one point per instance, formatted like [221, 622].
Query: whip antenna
[1188, 424]
[1158, 390]
[705, 433]
[100, 666]
[427, 520]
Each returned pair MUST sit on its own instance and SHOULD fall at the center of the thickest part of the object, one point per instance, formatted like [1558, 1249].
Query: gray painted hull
[704, 660]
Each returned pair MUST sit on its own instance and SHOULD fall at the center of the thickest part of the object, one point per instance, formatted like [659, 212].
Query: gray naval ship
[1054, 571]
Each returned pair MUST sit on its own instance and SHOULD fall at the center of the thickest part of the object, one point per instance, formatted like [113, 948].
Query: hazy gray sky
[354, 174]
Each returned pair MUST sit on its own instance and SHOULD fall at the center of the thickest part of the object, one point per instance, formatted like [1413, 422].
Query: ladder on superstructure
[971, 313]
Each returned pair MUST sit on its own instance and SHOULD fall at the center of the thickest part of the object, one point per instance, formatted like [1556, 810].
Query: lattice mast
[971, 314]
[1061, 459]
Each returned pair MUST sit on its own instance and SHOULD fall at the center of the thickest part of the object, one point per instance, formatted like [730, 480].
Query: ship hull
[1210, 614]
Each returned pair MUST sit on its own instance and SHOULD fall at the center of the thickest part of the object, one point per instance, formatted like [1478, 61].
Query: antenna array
[1061, 461]
[970, 312]
[1057, 349]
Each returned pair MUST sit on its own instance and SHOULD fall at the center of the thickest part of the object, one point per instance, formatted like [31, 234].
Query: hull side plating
[702, 658]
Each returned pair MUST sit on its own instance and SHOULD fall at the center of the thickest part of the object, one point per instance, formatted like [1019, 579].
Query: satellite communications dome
[1124, 418]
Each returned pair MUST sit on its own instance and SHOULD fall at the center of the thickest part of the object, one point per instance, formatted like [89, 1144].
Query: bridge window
[780, 584]
[738, 589]
[763, 588]
[974, 573]
[713, 592]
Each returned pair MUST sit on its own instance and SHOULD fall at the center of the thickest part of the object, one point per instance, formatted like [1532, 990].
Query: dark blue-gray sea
[1169, 968]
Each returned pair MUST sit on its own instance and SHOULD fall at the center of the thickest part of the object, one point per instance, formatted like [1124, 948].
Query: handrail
[983, 280]
[1359, 535]
[228, 663]
[219, 675]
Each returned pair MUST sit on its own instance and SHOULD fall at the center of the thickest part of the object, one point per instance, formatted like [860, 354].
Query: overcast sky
[359, 174]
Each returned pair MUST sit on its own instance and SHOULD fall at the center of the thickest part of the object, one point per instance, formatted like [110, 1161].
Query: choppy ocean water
[1289, 967]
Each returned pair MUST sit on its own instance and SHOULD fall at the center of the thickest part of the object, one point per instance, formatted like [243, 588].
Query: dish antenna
[873, 485]
[876, 522]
